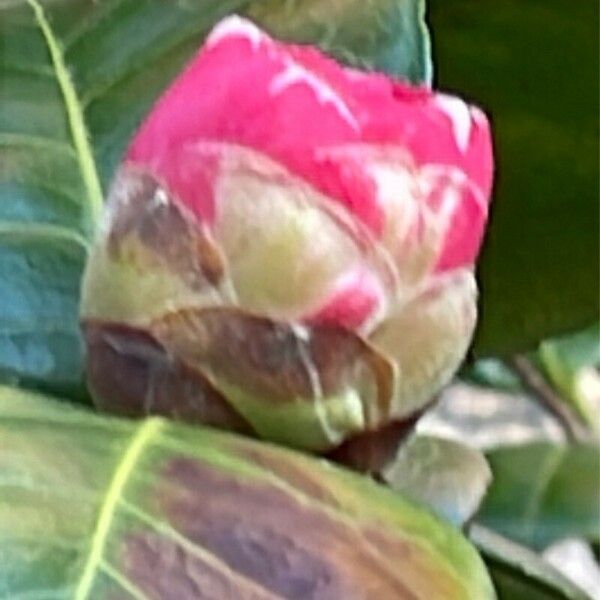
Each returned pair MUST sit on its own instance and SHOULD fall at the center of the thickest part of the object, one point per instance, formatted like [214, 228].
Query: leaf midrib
[139, 440]
[73, 107]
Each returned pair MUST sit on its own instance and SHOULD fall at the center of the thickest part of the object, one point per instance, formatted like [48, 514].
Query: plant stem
[542, 392]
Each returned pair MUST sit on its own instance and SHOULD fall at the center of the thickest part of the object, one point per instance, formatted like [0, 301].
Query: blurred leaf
[533, 65]
[396, 41]
[102, 508]
[449, 477]
[571, 363]
[574, 351]
[542, 492]
[519, 573]
[492, 372]
[77, 77]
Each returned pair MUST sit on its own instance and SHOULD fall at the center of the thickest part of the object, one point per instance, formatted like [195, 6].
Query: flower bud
[288, 247]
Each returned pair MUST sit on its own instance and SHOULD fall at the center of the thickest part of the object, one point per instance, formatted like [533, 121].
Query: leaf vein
[36, 141]
[28, 69]
[10, 229]
[123, 581]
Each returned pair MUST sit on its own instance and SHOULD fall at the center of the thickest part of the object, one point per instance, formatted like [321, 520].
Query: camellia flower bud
[288, 247]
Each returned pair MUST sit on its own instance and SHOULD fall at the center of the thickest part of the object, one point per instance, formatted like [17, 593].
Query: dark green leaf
[543, 492]
[534, 66]
[96, 507]
[449, 477]
[519, 573]
[77, 77]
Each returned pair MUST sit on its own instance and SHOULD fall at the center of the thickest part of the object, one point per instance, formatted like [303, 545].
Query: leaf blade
[126, 464]
[57, 463]
[519, 573]
[542, 492]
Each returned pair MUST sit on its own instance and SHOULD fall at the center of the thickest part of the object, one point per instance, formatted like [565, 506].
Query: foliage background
[70, 66]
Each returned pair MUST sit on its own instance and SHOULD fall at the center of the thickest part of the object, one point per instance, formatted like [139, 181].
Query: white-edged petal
[458, 113]
[235, 26]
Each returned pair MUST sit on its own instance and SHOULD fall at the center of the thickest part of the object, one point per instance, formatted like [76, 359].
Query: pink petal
[355, 300]
[291, 102]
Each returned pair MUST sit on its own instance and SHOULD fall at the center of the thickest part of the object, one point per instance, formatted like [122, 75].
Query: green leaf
[571, 364]
[533, 66]
[40, 267]
[449, 477]
[77, 78]
[397, 40]
[492, 373]
[519, 573]
[97, 507]
[542, 492]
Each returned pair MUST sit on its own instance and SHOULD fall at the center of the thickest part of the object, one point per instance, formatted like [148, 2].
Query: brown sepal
[276, 360]
[142, 209]
[131, 374]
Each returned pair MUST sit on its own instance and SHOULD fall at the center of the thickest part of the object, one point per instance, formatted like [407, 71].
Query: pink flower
[336, 199]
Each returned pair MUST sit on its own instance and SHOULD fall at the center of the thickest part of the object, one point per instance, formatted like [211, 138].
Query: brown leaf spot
[294, 548]
[290, 471]
[163, 569]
